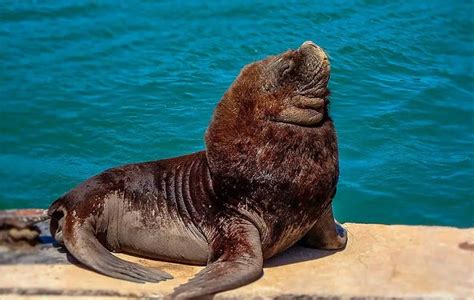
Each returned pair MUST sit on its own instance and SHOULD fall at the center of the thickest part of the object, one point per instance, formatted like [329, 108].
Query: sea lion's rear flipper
[235, 260]
[326, 234]
[82, 243]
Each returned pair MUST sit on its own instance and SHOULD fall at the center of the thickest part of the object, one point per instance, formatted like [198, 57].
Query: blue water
[87, 85]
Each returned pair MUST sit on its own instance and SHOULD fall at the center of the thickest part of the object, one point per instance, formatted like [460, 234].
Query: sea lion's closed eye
[288, 67]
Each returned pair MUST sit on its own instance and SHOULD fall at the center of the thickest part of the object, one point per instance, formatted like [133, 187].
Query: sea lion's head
[288, 88]
[274, 112]
[297, 80]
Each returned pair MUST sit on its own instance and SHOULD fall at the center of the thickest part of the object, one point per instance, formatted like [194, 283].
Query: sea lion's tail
[57, 212]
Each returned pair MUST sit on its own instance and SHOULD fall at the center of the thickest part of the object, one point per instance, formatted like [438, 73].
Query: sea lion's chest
[290, 206]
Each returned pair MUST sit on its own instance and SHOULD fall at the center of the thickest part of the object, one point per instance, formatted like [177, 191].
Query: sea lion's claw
[230, 269]
[90, 252]
[144, 273]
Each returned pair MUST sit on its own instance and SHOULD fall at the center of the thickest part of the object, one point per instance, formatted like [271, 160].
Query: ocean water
[87, 85]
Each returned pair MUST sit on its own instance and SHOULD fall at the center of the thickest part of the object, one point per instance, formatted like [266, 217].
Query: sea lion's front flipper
[235, 260]
[82, 243]
[327, 233]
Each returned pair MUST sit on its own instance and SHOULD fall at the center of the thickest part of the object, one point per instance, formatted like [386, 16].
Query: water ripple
[88, 85]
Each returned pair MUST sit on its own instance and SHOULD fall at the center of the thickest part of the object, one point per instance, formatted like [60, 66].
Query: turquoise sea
[87, 85]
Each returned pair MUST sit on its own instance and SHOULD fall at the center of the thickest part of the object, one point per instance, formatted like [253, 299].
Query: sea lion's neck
[267, 152]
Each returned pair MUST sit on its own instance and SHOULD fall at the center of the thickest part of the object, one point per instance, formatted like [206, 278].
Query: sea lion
[265, 182]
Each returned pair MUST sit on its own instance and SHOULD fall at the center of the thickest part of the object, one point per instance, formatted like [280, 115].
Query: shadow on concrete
[296, 254]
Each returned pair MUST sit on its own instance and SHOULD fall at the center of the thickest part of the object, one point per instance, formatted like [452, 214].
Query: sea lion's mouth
[305, 117]
[302, 111]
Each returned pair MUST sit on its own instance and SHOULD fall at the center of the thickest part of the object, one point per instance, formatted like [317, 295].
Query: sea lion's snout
[314, 51]
[309, 44]
[315, 66]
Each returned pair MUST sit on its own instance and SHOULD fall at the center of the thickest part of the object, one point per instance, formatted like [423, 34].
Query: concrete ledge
[380, 261]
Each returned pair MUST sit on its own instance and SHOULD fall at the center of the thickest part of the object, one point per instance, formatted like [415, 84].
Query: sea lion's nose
[312, 50]
[309, 43]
